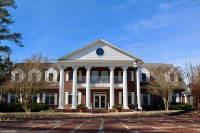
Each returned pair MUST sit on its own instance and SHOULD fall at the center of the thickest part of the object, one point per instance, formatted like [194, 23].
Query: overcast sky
[158, 31]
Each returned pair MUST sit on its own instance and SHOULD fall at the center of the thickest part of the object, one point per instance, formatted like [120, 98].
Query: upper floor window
[17, 76]
[34, 77]
[50, 76]
[49, 99]
[172, 78]
[144, 77]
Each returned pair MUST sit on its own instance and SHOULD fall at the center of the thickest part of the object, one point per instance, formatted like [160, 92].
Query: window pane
[70, 75]
[172, 77]
[34, 99]
[34, 77]
[50, 76]
[47, 99]
[145, 99]
[70, 99]
[144, 77]
[51, 100]
[17, 77]
[129, 99]
[129, 75]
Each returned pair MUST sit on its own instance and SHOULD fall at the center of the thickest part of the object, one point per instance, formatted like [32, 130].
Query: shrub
[119, 107]
[14, 107]
[3, 106]
[181, 106]
[37, 107]
[131, 106]
[81, 107]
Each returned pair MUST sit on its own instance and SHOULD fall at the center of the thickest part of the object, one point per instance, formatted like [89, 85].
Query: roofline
[93, 43]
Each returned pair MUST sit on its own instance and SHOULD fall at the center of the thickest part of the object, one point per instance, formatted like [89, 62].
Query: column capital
[136, 65]
[74, 67]
[61, 66]
[88, 67]
[124, 67]
[111, 67]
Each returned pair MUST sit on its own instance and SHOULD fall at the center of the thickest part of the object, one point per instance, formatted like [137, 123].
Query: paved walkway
[104, 125]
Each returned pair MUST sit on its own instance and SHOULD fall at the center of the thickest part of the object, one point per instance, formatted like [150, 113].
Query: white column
[138, 88]
[20, 98]
[125, 88]
[111, 87]
[66, 98]
[61, 88]
[74, 88]
[177, 98]
[186, 98]
[8, 100]
[132, 98]
[43, 97]
[88, 93]
[55, 98]
[38, 97]
[79, 97]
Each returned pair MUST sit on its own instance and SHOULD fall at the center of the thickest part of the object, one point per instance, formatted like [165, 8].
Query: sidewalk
[62, 115]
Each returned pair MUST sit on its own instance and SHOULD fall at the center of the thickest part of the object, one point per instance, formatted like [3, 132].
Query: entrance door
[100, 101]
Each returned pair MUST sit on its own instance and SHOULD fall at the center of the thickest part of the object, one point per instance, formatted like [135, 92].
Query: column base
[89, 107]
[139, 107]
[126, 107]
[73, 107]
[60, 107]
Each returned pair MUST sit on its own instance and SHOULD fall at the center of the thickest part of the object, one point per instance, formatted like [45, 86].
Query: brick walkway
[105, 125]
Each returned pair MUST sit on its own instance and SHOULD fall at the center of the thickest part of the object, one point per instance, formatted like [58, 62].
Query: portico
[93, 68]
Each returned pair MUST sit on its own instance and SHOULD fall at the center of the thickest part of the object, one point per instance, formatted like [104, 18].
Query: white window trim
[66, 98]
[55, 98]
[120, 97]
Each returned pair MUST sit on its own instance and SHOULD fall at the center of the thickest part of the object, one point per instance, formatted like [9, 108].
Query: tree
[6, 35]
[32, 81]
[161, 85]
[5, 21]
[192, 77]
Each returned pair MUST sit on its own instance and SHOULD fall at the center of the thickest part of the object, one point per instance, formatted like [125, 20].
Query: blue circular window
[100, 51]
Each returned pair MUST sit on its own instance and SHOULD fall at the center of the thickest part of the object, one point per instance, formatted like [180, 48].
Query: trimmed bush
[131, 106]
[81, 107]
[3, 106]
[37, 107]
[118, 107]
[14, 107]
[181, 106]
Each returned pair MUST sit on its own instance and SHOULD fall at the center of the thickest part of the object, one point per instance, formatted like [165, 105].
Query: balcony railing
[100, 79]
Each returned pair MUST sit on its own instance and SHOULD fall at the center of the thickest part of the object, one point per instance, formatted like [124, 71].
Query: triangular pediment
[89, 53]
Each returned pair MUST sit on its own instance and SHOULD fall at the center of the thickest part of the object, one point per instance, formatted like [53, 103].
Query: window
[17, 76]
[174, 98]
[34, 77]
[144, 77]
[70, 98]
[49, 99]
[70, 75]
[172, 77]
[50, 76]
[145, 99]
[13, 98]
[129, 75]
[129, 99]
[34, 99]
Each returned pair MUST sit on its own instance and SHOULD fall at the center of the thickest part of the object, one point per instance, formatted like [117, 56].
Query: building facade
[99, 76]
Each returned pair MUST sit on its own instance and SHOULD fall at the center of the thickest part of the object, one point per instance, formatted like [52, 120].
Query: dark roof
[153, 66]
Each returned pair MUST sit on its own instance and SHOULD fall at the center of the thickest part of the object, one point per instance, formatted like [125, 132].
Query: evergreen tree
[6, 35]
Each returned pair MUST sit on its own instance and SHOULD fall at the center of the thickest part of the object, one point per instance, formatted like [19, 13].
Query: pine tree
[6, 35]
